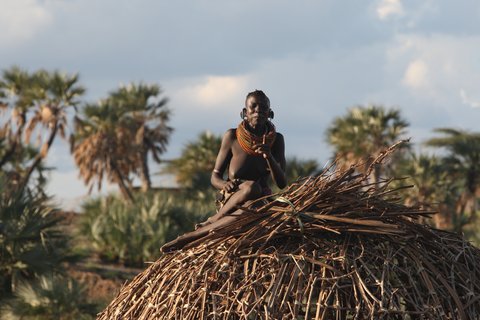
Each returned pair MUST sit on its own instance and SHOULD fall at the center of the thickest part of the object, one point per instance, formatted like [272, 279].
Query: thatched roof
[329, 247]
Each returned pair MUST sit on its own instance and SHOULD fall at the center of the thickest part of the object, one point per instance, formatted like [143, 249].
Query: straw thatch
[329, 247]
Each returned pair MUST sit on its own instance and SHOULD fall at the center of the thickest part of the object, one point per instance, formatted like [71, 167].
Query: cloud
[112, 41]
[216, 91]
[416, 75]
[467, 100]
[425, 74]
[388, 8]
[435, 68]
[20, 20]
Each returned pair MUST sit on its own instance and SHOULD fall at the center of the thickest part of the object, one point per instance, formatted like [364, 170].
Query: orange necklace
[247, 140]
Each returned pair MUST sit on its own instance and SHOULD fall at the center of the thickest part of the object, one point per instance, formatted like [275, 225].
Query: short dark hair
[258, 94]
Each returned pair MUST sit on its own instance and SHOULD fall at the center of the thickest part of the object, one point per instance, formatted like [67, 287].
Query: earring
[243, 114]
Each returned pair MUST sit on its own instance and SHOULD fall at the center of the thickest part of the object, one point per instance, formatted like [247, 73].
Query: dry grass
[329, 247]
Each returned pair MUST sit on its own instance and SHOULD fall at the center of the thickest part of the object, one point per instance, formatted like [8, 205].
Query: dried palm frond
[46, 113]
[333, 246]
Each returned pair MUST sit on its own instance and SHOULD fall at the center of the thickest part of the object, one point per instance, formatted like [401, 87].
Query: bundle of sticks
[334, 246]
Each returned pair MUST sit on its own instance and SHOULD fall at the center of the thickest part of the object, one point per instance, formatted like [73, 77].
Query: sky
[314, 59]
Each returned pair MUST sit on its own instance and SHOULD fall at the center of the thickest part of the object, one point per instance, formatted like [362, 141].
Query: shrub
[133, 234]
[31, 243]
[50, 297]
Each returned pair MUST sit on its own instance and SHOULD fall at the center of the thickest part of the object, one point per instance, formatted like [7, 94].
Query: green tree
[363, 133]
[194, 167]
[462, 162]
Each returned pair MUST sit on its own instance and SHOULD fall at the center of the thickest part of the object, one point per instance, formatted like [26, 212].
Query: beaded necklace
[247, 140]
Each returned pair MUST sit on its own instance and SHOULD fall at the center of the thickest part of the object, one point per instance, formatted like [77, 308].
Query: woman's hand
[231, 185]
[263, 149]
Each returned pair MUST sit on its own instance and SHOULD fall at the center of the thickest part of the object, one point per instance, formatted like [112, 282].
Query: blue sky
[314, 59]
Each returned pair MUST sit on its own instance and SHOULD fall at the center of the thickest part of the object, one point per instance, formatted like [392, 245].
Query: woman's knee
[251, 189]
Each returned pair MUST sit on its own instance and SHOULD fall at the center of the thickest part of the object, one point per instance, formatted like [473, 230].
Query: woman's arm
[275, 158]
[221, 164]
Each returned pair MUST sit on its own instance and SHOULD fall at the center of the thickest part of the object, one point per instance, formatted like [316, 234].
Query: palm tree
[16, 163]
[432, 186]
[195, 165]
[113, 138]
[101, 145]
[17, 94]
[462, 162]
[365, 132]
[148, 118]
[38, 98]
[54, 94]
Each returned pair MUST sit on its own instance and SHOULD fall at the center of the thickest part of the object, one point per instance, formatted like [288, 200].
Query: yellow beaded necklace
[247, 140]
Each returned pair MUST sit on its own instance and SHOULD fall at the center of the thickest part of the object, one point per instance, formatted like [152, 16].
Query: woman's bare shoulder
[231, 134]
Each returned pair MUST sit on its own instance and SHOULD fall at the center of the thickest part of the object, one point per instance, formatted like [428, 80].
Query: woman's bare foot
[202, 224]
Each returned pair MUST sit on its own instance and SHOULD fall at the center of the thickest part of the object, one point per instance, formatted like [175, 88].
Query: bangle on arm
[216, 171]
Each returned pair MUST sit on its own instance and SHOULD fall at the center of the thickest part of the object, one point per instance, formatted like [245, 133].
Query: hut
[334, 246]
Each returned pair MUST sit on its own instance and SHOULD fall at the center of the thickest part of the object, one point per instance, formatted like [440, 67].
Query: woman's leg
[248, 190]
[185, 239]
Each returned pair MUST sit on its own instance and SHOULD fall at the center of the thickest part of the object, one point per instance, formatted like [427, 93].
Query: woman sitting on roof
[252, 153]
